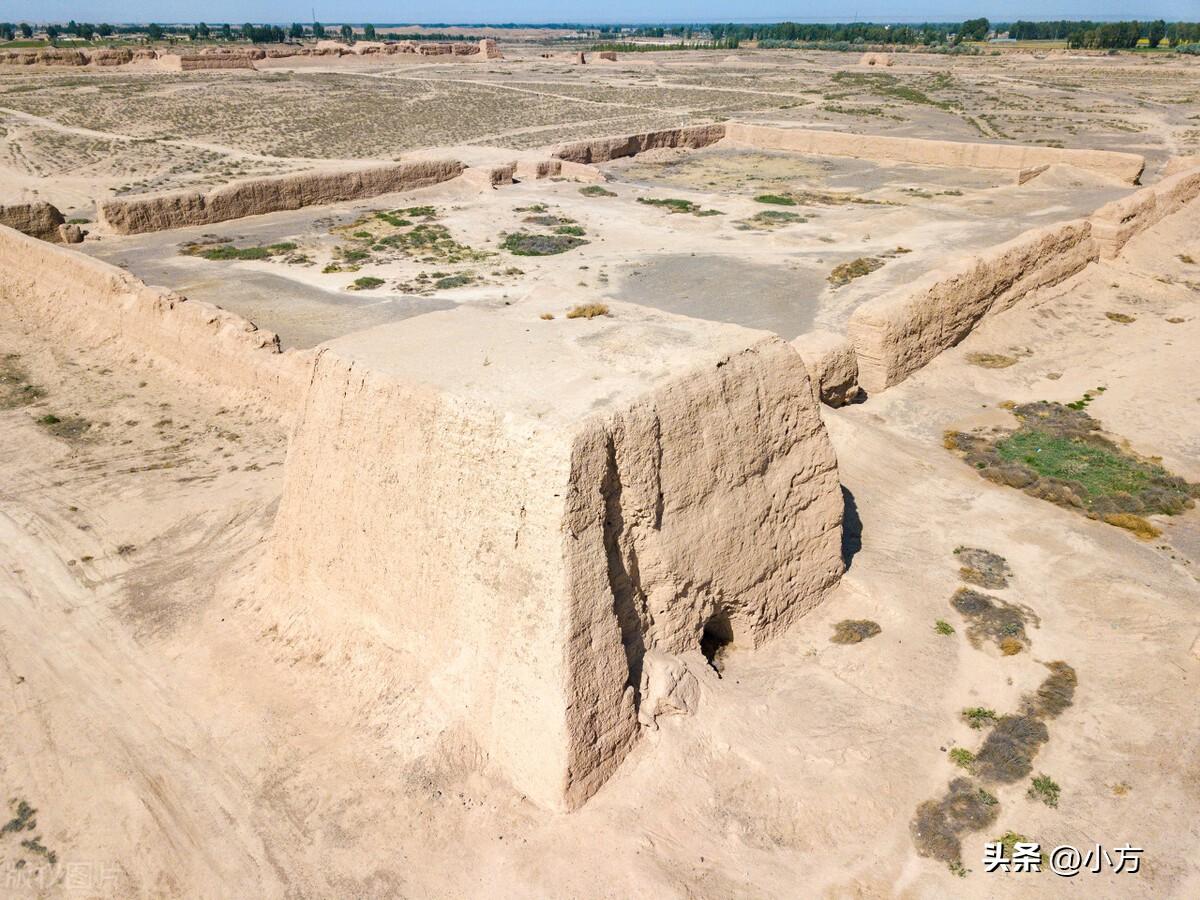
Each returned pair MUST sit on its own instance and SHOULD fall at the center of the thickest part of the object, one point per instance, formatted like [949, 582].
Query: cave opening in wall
[716, 637]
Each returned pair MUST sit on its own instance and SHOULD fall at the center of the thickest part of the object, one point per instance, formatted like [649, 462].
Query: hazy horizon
[617, 11]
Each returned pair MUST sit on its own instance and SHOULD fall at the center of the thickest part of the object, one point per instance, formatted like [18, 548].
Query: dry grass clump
[1059, 454]
[16, 389]
[854, 631]
[522, 243]
[938, 824]
[983, 568]
[1121, 318]
[1134, 523]
[844, 273]
[69, 428]
[1010, 646]
[586, 311]
[992, 619]
[595, 190]
[1008, 751]
[547, 316]
[991, 360]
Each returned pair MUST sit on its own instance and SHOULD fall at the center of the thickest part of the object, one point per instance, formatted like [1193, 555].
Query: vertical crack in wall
[623, 578]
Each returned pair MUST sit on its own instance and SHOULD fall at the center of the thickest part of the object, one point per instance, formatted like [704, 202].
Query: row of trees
[258, 34]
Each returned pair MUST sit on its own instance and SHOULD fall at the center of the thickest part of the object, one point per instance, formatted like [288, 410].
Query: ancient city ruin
[517, 467]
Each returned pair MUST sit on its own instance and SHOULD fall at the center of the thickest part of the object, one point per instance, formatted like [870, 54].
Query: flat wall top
[553, 371]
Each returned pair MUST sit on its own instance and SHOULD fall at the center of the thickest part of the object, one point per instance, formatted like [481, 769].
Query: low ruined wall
[1125, 166]
[1115, 223]
[87, 301]
[158, 212]
[39, 220]
[899, 332]
[604, 149]
[516, 552]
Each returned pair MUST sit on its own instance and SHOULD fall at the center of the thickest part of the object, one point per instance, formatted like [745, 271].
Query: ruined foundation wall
[604, 149]
[158, 212]
[899, 332]
[39, 220]
[1115, 223]
[1125, 166]
[85, 300]
[518, 559]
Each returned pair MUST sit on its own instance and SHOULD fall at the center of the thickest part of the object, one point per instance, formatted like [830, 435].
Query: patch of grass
[937, 826]
[1182, 257]
[595, 190]
[1046, 789]
[961, 757]
[575, 230]
[68, 428]
[1058, 454]
[991, 360]
[671, 204]
[35, 845]
[983, 568]
[854, 631]
[775, 199]
[453, 281]
[1135, 524]
[16, 388]
[844, 273]
[587, 311]
[771, 218]
[941, 626]
[991, 619]
[1121, 318]
[22, 820]
[366, 283]
[522, 243]
[979, 717]
[546, 316]
[1010, 646]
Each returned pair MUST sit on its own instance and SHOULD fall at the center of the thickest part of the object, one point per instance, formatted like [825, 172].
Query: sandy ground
[175, 741]
[177, 733]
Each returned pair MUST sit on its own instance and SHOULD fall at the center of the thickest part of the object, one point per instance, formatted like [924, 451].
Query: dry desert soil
[170, 731]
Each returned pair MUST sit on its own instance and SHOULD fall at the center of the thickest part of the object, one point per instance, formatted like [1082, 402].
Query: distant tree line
[1090, 35]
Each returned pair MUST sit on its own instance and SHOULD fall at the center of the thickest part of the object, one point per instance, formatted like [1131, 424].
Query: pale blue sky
[607, 11]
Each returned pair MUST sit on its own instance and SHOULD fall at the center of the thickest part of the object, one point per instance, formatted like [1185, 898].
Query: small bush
[524, 244]
[941, 626]
[452, 281]
[1133, 523]
[775, 199]
[1120, 318]
[570, 229]
[1046, 789]
[961, 757]
[670, 203]
[587, 311]
[854, 631]
[595, 190]
[979, 717]
[366, 283]
[547, 316]
[857, 268]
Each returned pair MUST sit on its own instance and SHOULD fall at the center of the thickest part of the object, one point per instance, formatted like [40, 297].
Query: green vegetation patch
[1046, 789]
[366, 283]
[776, 199]
[223, 250]
[595, 190]
[523, 243]
[676, 205]
[1059, 454]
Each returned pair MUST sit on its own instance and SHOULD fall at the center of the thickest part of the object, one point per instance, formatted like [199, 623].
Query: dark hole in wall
[717, 635]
